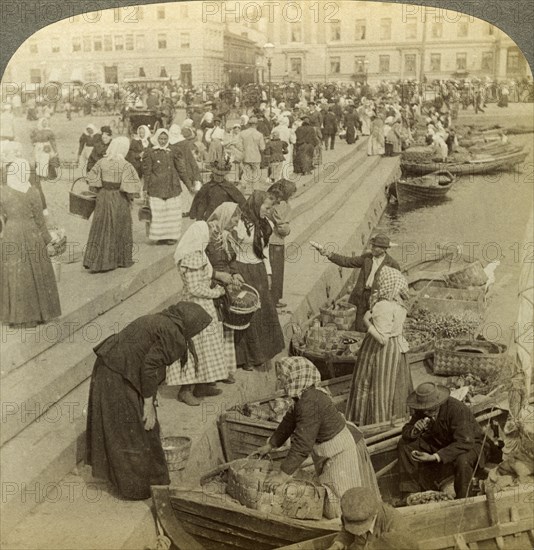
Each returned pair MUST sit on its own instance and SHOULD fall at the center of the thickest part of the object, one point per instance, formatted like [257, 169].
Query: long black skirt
[277, 259]
[119, 448]
[264, 338]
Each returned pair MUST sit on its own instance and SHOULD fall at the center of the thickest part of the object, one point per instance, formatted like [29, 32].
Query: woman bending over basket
[123, 434]
[216, 359]
[318, 429]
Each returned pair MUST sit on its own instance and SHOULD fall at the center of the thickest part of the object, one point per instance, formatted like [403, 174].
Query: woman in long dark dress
[28, 285]
[351, 123]
[123, 433]
[263, 339]
[110, 241]
[307, 140]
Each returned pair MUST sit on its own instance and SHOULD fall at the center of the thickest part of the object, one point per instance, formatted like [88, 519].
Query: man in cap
[442, 437]
[370, 264]
[252, 143]
[370, 524]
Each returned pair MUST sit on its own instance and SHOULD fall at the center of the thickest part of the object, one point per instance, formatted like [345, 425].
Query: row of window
[410, 27]
[130, 14]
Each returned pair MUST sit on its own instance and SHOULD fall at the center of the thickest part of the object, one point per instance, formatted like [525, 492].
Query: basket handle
[77, 180]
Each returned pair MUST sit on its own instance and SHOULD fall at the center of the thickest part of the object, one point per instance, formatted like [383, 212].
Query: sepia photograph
[266, 275]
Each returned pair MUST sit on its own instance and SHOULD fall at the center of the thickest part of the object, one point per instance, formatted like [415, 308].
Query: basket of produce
[81, 203]
[471, 275]
[456, 356]
[297, 498]
[176, 449]
[418, 154]
[427, 497]
[239, 306]
[442, 325]
[342, 314]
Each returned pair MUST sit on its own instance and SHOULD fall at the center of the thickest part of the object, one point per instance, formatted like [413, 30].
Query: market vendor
[318, 429]
[370, 264]
[442, 438]
[370, 524]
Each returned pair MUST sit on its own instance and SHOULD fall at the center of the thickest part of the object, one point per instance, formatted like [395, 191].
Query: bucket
[176, 449]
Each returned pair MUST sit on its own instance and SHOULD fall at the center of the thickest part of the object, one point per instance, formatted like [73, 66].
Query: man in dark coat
[442, 437]
[370, 264]
[329, 128]
[214, 193]
[100, 147]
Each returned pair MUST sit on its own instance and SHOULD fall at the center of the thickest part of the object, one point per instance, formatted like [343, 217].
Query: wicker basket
[238, 318]
[176, 449]
[343, 318]
[453, 357]
[83, 203]
[469, 276]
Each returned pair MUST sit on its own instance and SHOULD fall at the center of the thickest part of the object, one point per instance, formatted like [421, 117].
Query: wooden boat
[491, 521]
[480, 166]
[430, 187]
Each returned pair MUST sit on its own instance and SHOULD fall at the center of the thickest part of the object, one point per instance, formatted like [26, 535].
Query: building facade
[344, 41]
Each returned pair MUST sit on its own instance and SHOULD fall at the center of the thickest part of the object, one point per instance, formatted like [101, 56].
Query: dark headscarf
[190, 319]
[283, 189]
[251, 218]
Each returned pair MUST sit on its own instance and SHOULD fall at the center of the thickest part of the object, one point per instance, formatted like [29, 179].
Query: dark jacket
[192, 170]
[98, 152]
[162, 172]
[313, 419]
[365, 263]
[212, 195]
[306, 134]
[329, 123]
[275, 150]
[454, 432]
[219, 259]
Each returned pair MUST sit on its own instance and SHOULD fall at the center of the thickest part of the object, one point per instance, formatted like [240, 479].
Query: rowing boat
[430, 187]
[471, 167]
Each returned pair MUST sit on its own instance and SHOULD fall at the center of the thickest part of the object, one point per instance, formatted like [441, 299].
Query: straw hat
[428, 395]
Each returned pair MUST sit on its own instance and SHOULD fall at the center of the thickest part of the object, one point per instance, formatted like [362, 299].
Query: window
[295, 32]
[487, 61]
[411, 28]
[184, 12]
[33, 47]
[161, 12]
[461, 61]
[111, 75]
[129, 42]
[76, 44]
[140, 42]
[87, 43]
[186, 75]
[437, 30]
[359, 64]
[462, 29]
[512, 61]
[360, 29]
[55, 44]
[383, 63]
[108, 43]
[335, 31]
[435, 62]
[119, 42]
[162, 41]
[385, 29]
[97, 43]
[335, 65]
[185, 40]
[409, 63]
[35, 76]
[295, 64]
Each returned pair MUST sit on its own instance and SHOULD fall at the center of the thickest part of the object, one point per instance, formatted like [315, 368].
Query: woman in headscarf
[286, 134]
[138, 147]
[86, 144]
[28, 292]
[382, 379]
[123, 432]
[44, 150]
[279, 216]
[196, 271]
[110, 242]
[263, 339]
[162, 171]
[318, 429]
[222, 256]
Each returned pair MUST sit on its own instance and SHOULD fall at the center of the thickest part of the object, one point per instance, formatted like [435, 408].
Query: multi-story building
[343, 41]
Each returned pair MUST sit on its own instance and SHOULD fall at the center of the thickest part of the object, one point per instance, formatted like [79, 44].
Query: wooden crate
[452, 300]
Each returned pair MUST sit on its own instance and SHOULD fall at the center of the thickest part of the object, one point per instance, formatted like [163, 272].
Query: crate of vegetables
[239, 306]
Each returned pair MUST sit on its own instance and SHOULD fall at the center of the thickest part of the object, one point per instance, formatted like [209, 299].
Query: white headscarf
[145, 140]
[195, 239]
[18, 172]
[118, 148]
[175, 134]
[219, 220]
[154, 139]
[92, 127]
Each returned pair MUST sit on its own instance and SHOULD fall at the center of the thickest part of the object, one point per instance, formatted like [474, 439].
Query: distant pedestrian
[275, 151]
[329, 128]
[85, 148]
[252, 145]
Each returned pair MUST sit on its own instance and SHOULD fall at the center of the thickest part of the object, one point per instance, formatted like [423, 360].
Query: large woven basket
[343, 317]
[176, 451]
[238, 318]
[81, 203]
[301, 499]
[454, 357]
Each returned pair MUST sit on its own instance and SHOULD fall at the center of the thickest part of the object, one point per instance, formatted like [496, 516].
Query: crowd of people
[236, 240]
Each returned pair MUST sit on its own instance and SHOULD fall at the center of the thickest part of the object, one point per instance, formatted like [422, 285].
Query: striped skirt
[166, 221]
[380, 384]
[342, 464]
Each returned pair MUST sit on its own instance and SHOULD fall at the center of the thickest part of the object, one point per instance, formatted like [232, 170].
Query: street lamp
[269, 51]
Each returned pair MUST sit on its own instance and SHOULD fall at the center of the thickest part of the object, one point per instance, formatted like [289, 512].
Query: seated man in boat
[442, 438]
[370, 524]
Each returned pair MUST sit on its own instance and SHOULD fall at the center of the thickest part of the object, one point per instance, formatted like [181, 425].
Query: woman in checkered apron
[382, 380]
[318, 429]
[196, 273]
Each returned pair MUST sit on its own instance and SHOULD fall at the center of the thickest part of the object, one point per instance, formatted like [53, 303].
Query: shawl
[146, 139]
[299, 374]
[219, 221]
[392, 286]
[175, 134]
[252, 220]
[118, 148]
[154, 139]
[195, 239]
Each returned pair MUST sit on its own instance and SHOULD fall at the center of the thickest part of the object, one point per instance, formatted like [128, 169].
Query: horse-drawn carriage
[133, 118]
